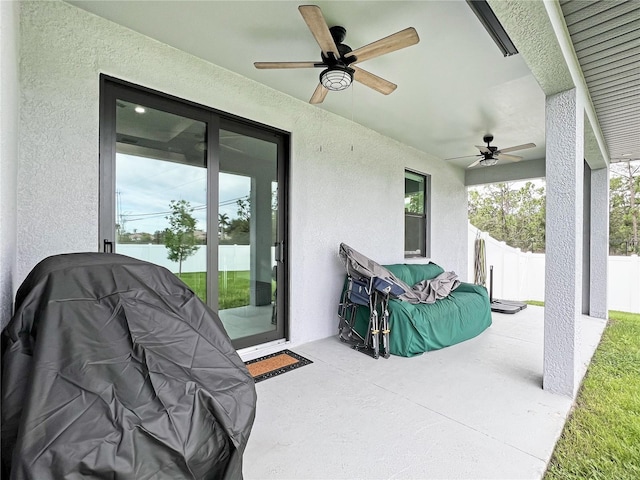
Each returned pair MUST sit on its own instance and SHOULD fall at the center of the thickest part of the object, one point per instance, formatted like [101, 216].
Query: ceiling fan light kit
[337, 78]
[338, 60]
[488, 162]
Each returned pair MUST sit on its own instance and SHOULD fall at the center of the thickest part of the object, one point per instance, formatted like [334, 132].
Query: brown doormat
[275, 364]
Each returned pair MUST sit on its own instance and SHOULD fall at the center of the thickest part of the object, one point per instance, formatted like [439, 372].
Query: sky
[143, 198]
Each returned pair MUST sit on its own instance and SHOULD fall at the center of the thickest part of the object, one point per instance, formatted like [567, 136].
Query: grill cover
[113, 368]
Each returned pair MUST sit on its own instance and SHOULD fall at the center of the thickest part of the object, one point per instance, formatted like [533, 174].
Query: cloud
[145, 188]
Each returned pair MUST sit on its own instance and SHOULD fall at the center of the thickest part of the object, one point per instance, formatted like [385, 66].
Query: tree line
[515, 213]
[624, 208]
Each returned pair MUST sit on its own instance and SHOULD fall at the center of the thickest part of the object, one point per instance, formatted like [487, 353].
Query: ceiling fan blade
[373, 81]
[317, 24]
[483, 148]
[510, 158]
[262, 65]
[319, 94]
[517, 147]
[403, 38]
[475, 163]
[465, 156]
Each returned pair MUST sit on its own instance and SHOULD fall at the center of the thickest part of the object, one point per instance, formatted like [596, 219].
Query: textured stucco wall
[539, 47]
[337, 194]
[9, 95]
[563, 278]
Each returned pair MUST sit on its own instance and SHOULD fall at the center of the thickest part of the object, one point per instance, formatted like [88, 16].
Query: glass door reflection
[247, 236]
[161, 191]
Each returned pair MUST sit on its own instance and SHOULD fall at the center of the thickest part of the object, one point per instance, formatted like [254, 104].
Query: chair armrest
[465, 287]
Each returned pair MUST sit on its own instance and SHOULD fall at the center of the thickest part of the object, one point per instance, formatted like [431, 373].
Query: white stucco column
[598, 306]
[563, 275]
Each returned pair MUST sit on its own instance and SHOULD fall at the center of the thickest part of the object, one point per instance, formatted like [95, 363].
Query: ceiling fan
[489, 155]
[339, 61]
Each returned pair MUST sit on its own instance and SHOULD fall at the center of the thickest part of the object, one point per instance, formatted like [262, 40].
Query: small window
[416, 214]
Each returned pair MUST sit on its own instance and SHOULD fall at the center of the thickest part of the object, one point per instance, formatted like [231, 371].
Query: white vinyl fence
[230, 257]
[519, 275]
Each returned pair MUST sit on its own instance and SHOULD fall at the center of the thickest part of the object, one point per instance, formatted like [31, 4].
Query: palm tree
[223, 223]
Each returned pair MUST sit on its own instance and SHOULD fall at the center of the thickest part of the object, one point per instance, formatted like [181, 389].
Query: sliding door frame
[112, 89]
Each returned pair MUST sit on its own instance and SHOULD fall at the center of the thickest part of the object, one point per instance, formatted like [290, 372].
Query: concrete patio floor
[471, 411]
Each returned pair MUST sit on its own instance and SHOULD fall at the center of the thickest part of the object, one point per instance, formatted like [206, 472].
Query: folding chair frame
[362, 292]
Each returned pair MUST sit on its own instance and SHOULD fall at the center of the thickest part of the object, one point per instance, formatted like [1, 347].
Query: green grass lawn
[233, 287]
[601, 439]
[537, 303]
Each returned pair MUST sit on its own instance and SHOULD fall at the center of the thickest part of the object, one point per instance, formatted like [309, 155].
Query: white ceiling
[453, 87]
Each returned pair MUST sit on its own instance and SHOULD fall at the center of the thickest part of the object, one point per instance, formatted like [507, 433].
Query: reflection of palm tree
[223, 223]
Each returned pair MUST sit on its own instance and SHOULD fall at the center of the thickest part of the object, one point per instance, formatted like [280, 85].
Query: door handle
[279, 252]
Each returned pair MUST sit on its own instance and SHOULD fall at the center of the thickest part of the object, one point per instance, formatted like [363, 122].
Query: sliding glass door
[201, 194]
[248, 219]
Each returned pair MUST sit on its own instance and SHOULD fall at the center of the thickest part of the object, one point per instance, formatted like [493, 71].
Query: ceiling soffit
[606, 39]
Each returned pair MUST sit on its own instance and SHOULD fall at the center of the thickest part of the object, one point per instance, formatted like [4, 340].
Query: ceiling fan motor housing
[488, 138]
[338, 33]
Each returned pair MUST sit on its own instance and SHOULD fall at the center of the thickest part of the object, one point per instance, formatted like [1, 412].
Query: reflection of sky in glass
[145, 187]
[232, 188]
